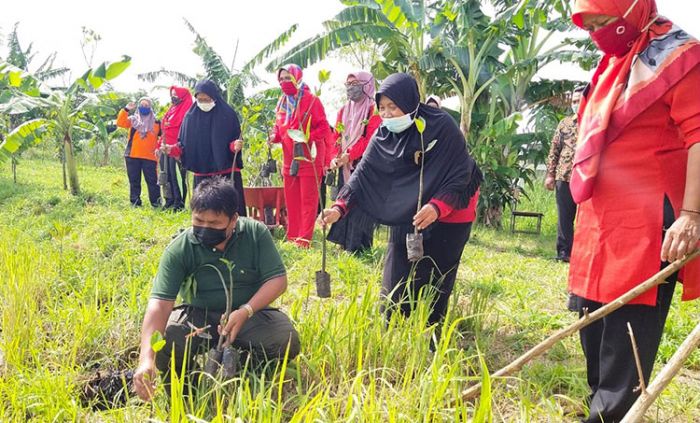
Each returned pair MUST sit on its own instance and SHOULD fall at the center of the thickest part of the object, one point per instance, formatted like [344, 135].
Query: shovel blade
[323, 284]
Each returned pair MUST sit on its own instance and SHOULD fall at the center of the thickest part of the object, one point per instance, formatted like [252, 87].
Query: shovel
[323, 278]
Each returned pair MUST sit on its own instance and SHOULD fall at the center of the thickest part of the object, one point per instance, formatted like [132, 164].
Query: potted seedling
[219, 359]
[414, 241]
[323, 278]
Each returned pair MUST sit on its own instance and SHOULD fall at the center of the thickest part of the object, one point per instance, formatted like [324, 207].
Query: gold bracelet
[249, 309]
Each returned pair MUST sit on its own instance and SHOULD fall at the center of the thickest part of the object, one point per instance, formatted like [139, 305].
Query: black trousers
[566, 210]
[438, 269]
[610, 365]
[134, 169]
[176, 183]
[237, 182]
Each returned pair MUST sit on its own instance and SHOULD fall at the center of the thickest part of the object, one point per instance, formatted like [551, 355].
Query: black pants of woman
[134, 169]
[176, 188]
[438, 269]
[237, 182]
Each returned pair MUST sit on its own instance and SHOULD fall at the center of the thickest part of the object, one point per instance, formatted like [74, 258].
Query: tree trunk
[71, 166]
[14, 169]
[62, 152]
[105, 159]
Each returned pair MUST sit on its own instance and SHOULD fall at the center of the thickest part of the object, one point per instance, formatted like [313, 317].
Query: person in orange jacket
[140, 156]
[299, 109]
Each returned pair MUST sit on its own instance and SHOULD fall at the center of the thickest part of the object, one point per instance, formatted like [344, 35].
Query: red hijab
[622, 88]
[176, 113]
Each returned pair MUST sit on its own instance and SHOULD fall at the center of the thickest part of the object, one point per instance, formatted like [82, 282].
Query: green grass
[76, 274]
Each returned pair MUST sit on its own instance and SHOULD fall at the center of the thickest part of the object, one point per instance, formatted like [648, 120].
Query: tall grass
[76, 274]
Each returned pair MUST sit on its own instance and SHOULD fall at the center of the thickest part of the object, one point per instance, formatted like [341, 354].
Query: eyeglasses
[354, 84]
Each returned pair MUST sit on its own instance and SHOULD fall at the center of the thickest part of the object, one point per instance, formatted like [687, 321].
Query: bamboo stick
[670, 370]
[584, 321]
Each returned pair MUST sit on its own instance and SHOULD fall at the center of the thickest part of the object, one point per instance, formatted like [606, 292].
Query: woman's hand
[236, 146]
[681, 238]
[131, 106]
[425, 217]
[341, 161]
[328, 217]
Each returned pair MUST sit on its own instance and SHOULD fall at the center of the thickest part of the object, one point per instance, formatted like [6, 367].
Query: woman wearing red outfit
[169, 150]
[299, 109]
[356, 125]
[636, 176]
[384, 189]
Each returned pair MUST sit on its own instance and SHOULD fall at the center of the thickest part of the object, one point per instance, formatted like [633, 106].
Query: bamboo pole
[670, 370]
[584, 321]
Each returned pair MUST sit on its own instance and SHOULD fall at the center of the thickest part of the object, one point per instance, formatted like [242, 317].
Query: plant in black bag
[414, 241]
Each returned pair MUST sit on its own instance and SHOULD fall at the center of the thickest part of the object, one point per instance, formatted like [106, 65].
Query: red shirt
[617, 243]
[358, 148]
[310, 111]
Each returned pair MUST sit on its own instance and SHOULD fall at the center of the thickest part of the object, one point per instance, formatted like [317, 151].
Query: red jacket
[309, 113]
[358, 149]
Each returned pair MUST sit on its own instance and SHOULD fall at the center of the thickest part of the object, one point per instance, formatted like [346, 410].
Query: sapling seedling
[218, 358]
[414, 241]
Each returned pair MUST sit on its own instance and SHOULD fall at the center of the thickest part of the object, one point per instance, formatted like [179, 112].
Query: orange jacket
[139, 147]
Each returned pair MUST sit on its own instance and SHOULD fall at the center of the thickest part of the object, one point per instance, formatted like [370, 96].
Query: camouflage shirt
[561, 154]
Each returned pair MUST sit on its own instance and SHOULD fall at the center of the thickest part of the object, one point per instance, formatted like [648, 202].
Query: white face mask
[399, 124]
[206, 107]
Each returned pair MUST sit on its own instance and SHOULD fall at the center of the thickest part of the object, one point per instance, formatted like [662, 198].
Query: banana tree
[400, 28]
[64, 113]
[230, 78]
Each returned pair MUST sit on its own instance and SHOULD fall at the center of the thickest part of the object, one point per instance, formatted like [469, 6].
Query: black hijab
[205, 136]
[385, 183]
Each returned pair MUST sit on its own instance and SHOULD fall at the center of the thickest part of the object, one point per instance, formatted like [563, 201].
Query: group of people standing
[633, 177]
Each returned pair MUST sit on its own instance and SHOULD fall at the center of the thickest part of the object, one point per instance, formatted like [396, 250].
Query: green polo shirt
[185, 267]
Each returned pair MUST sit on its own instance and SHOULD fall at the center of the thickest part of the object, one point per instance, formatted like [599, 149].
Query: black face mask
[175, 100]
[209, 237]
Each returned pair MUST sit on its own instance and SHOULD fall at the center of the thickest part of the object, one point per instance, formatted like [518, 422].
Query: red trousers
[301, 196]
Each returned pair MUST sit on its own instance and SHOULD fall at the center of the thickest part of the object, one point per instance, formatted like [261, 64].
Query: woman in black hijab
[384, 190]
[210, 138]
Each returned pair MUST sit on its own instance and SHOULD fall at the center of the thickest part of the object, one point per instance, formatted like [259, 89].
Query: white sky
[153, 33]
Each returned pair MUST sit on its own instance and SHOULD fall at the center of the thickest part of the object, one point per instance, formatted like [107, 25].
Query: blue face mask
[143, 110]
[398, 124]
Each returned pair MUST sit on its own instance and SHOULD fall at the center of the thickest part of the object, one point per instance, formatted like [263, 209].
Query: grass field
[76, 273]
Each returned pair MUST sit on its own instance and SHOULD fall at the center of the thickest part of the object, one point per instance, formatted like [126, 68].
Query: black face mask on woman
[209, 237]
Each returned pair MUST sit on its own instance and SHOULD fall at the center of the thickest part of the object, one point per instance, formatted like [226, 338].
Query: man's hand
[550, 183]
[328, 217]
[681, 238]
[145, 380]
[235, 322]
[425, 217]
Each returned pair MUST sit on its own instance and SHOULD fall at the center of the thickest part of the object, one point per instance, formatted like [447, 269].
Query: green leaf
[420, 124]
[324, 76]
[157, 341]
[271, 48]
[28, 133]
[117, 68]
[484, 411]
[297, 136]
[317, 48]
